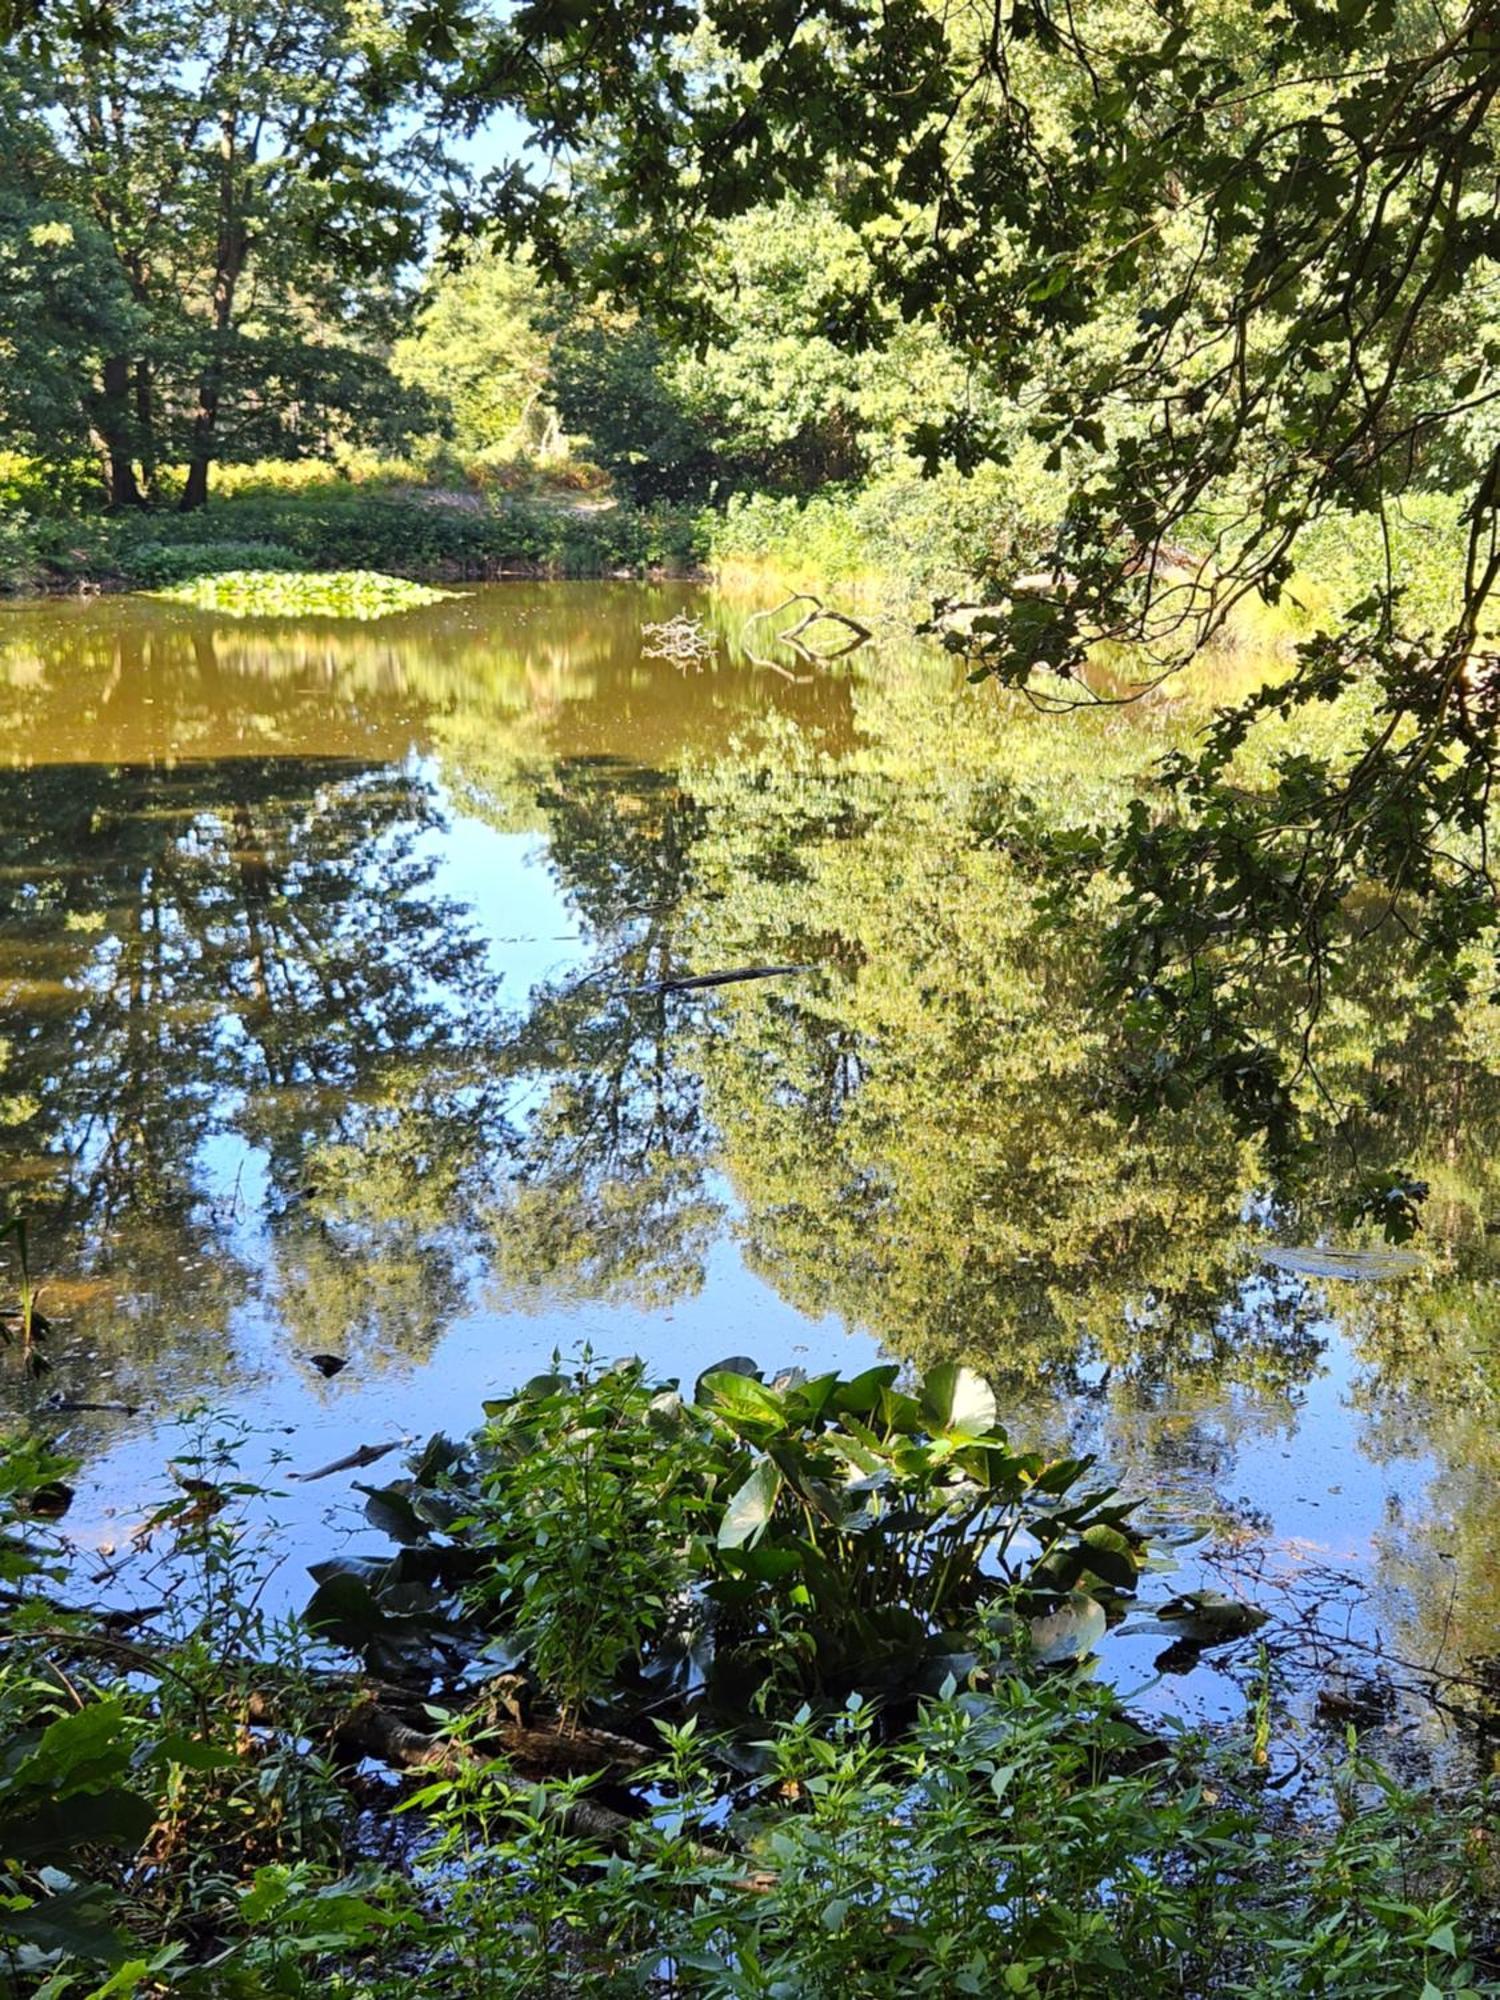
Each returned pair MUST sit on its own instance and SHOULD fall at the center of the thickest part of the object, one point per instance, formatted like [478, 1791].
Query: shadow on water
[331, 1019]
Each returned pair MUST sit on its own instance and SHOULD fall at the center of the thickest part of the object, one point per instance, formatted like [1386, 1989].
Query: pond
[331, 1023]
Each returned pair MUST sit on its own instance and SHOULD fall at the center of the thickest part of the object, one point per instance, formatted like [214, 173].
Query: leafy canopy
[1235, 262]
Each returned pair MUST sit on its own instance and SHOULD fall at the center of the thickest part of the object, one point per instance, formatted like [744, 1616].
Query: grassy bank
[901, 542]
[895, 544]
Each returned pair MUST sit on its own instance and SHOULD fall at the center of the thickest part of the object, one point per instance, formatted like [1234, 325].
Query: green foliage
[611, 375]
[1224, 277]
[268, 593]
[157, 566]
[341, 525]
[596, 1494]
[763, 1540]
[1026, 1839]
[1032, 1840]
[1016, 1832]
[64, 304]
[898, 535]
[217, 191]
[140, 1819]
[20, 564]
[33, 1490]
[875, 1530]
[479, 352]
[64, 1790]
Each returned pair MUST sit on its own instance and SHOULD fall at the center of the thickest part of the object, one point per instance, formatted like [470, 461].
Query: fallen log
[372, 1731]
[794, 636]
[365, 1723]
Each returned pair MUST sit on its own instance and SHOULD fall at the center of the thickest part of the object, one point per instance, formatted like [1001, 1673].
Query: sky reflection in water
[325, 1025]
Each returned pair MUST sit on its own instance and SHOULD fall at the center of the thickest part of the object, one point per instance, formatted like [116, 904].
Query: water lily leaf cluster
[269, 593]
[759, 1542]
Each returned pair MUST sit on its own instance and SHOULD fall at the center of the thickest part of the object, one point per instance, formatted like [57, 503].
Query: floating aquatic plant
[266, 593]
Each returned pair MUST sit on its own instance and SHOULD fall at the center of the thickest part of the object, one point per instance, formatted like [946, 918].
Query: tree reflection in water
[260, 1052]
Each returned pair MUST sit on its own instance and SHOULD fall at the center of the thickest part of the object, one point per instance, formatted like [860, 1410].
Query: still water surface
[326, 1025]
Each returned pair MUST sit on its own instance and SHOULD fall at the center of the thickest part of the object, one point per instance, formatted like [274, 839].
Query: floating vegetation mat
[270, 593]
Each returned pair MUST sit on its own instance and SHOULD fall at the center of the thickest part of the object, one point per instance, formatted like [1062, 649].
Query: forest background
[256, 310]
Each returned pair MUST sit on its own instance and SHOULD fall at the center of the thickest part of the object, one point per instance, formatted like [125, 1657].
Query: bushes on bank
[337, 526]
[902, 537]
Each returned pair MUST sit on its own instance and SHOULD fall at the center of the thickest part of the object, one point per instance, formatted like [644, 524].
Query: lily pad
[269, 593]
[732, 1364]
[1069, 1633]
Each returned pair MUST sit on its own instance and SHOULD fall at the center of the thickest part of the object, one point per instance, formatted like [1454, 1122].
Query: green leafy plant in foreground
[1015, 1832]
[268, 593]
[150, 1841]
[1029, 1838]
[754, 1544]
[596, 1499]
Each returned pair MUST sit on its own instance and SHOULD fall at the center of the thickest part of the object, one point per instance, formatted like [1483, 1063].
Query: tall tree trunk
[195, 490]
[115, 429]
[145, 426]
[233, 248]
[206, 417]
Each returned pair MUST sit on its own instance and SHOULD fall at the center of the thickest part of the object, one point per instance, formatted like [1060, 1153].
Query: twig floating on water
[694, 982]
[352, 1461]
[1311, 1261]
[69, 1406]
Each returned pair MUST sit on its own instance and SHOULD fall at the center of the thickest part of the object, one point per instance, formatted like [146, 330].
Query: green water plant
[151, 1839]
[268, 593]
[752, 1544]
[25, 1322]
[877, 1527]
[596, 1506]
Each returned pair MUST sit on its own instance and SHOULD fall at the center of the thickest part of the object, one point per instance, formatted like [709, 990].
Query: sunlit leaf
[959, 1400]
[751, 1507]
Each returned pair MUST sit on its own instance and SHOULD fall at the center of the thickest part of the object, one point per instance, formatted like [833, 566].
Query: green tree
[1237, 266]
[64, 304]
[478, 347]
[254, 196]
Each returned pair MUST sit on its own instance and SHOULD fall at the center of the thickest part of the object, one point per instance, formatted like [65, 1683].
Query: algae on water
[268, 593]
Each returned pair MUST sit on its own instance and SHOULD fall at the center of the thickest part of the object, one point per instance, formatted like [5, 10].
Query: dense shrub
[339, 526]
[160, 564]
[902, 536]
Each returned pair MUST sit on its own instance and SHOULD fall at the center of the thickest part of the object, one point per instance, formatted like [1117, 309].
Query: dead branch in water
[684, 640]
[794, 637]
[352, 1461]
